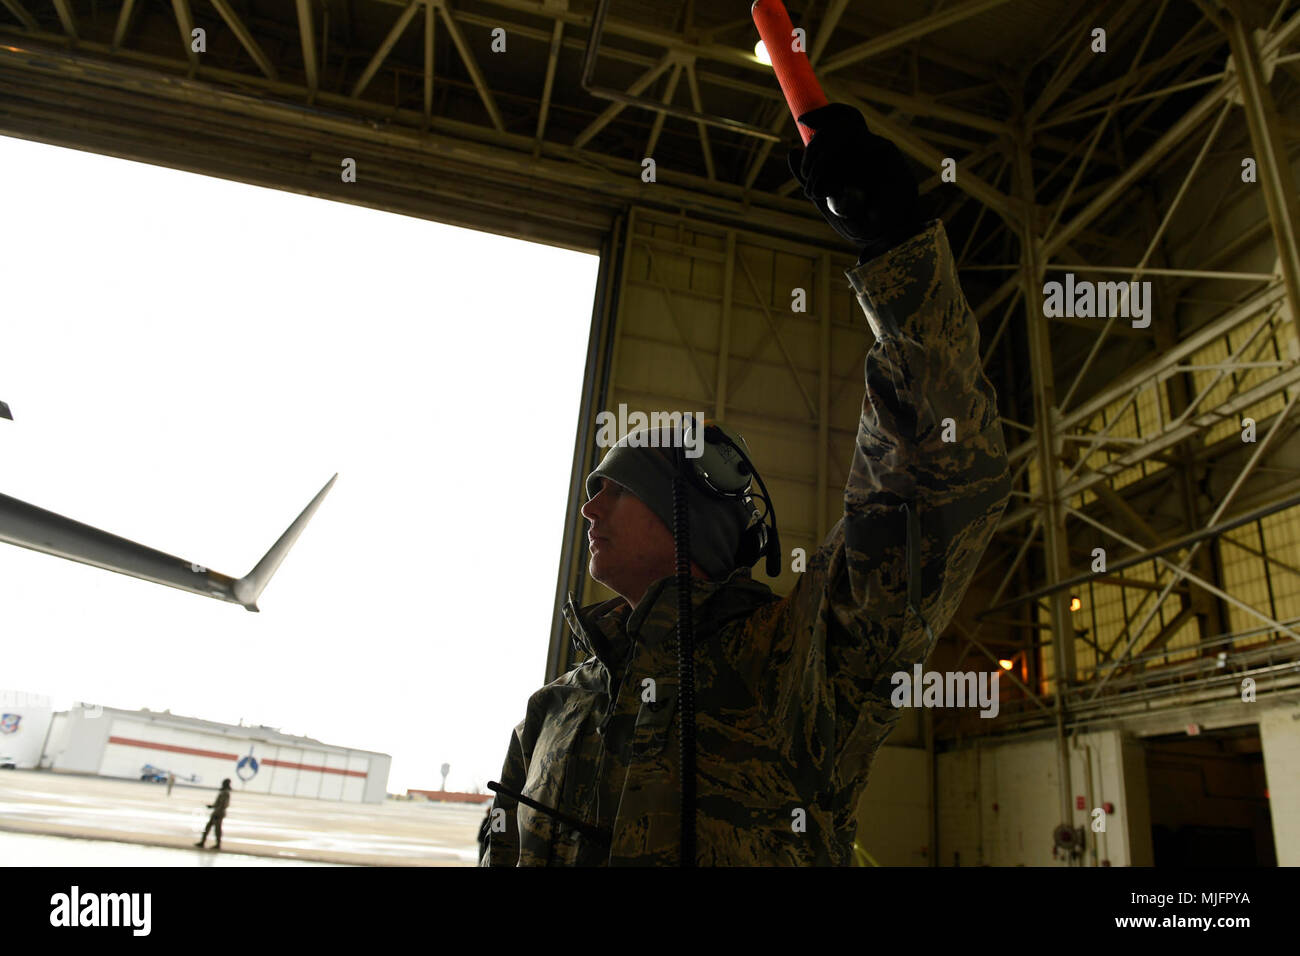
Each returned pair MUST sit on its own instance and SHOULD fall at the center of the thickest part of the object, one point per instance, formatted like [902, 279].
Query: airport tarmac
[39, 849]
[138, 815]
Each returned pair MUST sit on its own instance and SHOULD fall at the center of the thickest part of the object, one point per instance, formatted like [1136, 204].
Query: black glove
[876, 201]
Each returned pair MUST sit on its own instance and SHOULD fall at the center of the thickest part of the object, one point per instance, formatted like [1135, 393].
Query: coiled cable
[685, 662]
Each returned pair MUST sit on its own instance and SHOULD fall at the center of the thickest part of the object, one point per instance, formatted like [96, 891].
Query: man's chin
[601, 573]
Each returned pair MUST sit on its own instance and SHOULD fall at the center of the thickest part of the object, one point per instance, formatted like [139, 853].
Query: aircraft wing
[28, 526]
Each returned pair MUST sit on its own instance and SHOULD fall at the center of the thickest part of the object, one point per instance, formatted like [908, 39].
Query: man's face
[631, 547]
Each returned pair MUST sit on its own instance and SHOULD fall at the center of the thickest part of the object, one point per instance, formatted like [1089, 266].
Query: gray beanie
[647, 472]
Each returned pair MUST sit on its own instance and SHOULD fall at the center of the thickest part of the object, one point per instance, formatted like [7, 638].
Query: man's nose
[589, 509]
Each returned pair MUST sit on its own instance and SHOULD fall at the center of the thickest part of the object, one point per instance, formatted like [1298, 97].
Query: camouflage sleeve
[929, 460]
[502, 846]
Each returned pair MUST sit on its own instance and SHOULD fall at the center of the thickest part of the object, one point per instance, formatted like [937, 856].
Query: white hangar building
[123, 743]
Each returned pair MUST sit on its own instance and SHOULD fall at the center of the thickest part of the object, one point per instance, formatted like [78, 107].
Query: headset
[724, 470]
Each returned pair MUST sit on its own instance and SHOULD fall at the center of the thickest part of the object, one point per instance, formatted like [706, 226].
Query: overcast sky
[188, 361]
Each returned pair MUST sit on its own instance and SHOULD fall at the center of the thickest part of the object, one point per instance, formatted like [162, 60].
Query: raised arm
[929, 463]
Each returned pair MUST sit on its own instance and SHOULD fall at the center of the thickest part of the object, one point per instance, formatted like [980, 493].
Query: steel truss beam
[19, 11]
[1263, 309]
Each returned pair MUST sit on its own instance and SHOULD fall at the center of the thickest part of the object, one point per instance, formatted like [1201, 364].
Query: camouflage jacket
[220, 804]
[793, 693]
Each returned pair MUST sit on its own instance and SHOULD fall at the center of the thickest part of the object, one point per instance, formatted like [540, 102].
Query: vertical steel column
[430, 18]
[724, 329]
[1274, 165]
[1055, 558]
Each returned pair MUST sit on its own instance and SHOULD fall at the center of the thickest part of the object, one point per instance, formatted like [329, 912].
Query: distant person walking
[171, 782]
[218, 807]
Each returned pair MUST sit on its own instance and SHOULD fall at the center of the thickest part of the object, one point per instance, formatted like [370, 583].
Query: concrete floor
[39, 849]
[394, 833]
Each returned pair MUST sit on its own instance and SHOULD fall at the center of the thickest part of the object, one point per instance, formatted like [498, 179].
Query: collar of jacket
[605, 629]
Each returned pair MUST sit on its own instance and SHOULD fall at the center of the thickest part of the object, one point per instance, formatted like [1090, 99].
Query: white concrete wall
[1020, 779]
[1279, 736]
[999, 803]
[1098, 773]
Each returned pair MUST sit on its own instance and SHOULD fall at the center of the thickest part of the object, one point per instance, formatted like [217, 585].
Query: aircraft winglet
[249, 588]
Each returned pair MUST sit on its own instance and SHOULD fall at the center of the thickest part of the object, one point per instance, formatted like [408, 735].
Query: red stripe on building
[129, 742]
[173, 748]
[303, 766]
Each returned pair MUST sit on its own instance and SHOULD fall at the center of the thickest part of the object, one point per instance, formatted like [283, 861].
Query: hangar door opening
[188, 358]
[1209, 799]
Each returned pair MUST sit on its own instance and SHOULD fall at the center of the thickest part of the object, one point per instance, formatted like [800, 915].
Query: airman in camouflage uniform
[218, 808]
[792, 693]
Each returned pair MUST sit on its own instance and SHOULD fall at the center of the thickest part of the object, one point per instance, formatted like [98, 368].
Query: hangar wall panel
[87, 738]
[284, 778]
[354, 784]
[331, 787]
[375, 786]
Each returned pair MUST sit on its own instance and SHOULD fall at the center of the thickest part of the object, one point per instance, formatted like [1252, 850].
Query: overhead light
[760, 51]
[1075, 604]
[1005, 664]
